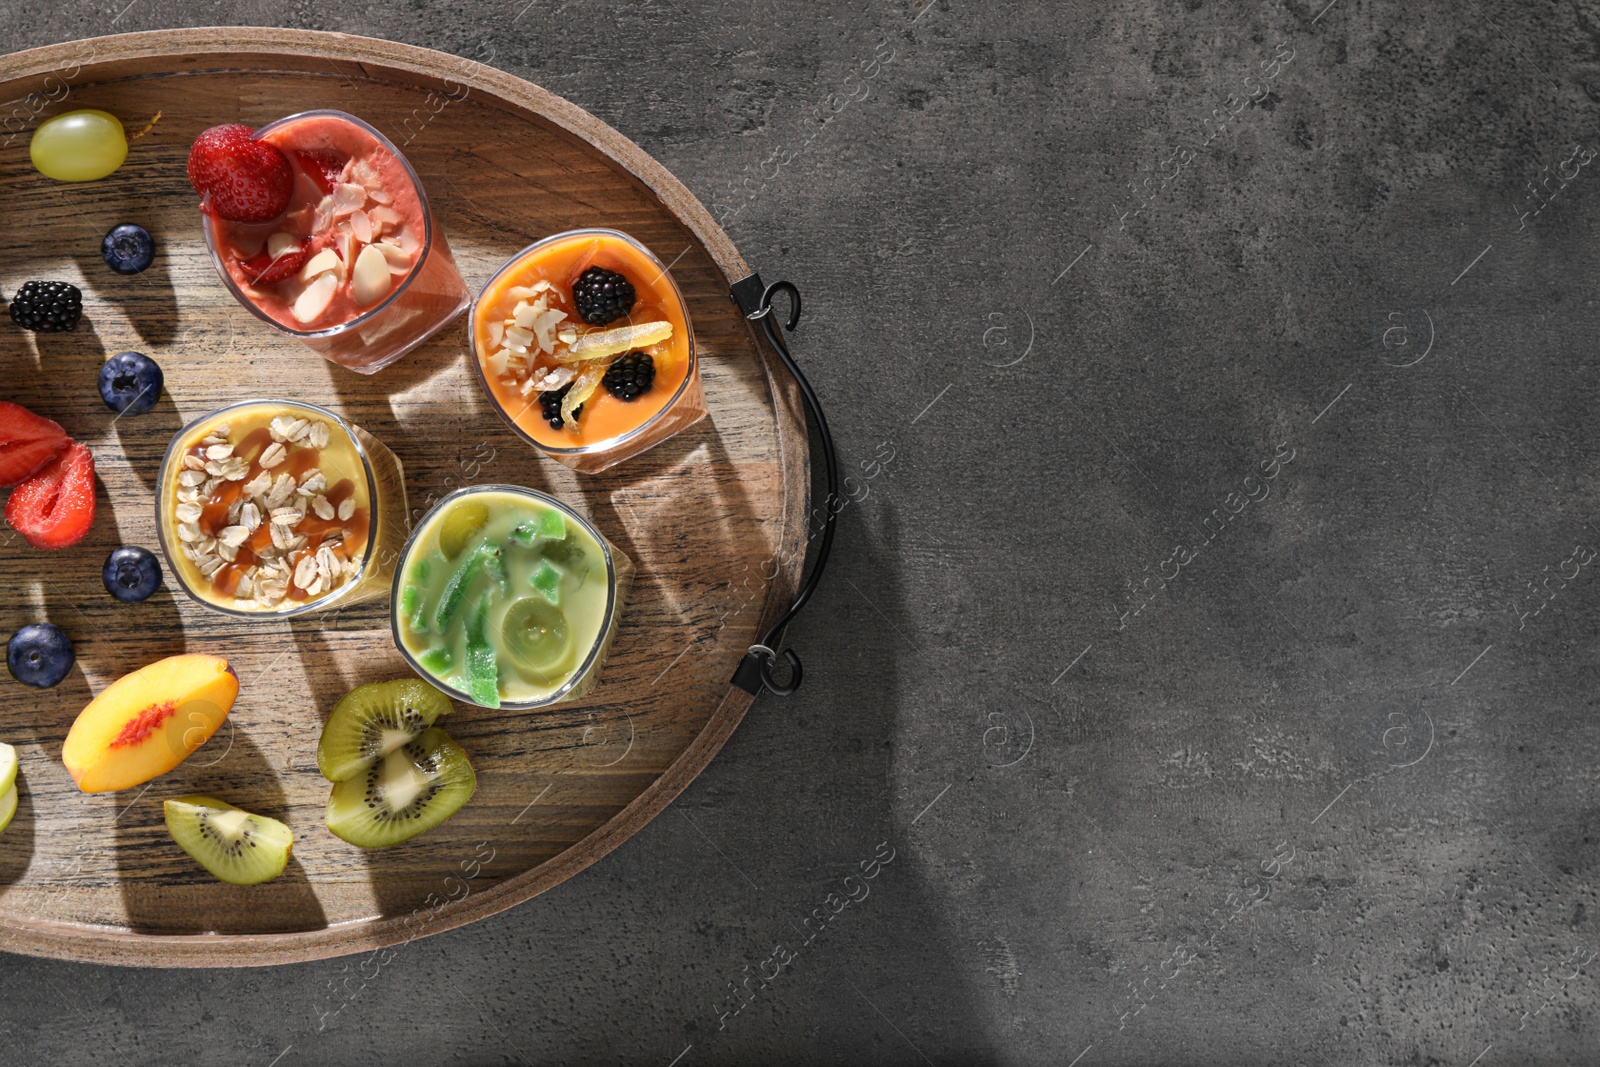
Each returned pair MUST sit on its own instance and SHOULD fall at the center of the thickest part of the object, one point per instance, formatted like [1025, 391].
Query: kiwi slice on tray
[407, 792]
[236, 846]
[372, 721]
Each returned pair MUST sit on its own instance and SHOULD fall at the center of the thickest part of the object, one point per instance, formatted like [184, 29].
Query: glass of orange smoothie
[584, 344]
[356, 267]
[277, 507]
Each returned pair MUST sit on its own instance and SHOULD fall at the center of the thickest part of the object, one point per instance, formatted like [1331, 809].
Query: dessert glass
[609, 430]
[425, 294]
[357, 512]
[579, 670]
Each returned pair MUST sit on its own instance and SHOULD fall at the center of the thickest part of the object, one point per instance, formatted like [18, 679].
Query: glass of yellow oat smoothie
[278, 508]
[507, 598]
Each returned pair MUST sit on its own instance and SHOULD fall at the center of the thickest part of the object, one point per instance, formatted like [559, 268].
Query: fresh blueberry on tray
[39, 655]
[128, 249]
[132, 574]
[130, 383]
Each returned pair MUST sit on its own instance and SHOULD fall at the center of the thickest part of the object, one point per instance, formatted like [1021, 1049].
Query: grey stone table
[1217, 653]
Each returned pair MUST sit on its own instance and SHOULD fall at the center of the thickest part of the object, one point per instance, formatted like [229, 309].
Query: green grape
[79, 146]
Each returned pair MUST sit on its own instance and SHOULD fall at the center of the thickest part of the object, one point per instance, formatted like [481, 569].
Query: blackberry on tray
[47, 307]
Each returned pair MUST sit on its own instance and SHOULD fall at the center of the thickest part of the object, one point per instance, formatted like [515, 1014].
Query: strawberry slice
[27, 442]
[238, 177]
[262, 269]
[55, 508]
[323, 166]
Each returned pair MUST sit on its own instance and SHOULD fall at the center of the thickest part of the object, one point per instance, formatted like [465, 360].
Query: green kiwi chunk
[372, 721]
[437, 661]
[547, 580]
[234, 845]
[566, 554]
[483, 668]
[410, 791]
[454, 594]
[551, 525]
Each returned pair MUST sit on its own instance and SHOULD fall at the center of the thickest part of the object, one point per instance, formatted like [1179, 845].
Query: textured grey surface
[1321, 792]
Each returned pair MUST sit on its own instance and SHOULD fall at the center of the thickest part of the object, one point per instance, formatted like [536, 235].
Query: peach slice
[146, 723]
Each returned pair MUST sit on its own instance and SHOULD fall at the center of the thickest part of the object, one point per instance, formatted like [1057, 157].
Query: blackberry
[630, 376]
[550, 406]
[48, 307]
[602, 296]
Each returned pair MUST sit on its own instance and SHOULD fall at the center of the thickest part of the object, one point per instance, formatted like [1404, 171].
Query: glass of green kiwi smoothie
[507, 598]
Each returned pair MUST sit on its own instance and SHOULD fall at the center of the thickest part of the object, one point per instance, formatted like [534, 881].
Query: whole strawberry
[239, 178]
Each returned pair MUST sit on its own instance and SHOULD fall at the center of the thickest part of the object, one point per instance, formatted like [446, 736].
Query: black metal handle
[755, 670]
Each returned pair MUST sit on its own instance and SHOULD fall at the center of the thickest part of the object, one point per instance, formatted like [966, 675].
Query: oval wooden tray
[96, 877]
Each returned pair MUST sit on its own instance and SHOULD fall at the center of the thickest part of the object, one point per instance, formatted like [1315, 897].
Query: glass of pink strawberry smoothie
[357, 267]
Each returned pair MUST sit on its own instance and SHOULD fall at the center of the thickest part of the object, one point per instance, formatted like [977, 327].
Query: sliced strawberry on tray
[265, 269]
[55, 508]
[27, 442]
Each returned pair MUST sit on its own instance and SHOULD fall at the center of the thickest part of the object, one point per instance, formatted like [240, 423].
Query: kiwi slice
[410, 791]
[236, 846]
[536, 640]
[460, 525]
[8, 807]
[374, 720]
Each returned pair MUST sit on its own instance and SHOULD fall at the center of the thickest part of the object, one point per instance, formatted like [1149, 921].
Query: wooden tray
[703, 515]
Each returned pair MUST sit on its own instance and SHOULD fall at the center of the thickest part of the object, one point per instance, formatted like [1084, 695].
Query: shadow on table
[811, 781]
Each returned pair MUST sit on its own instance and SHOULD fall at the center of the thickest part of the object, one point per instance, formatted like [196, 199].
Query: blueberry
[131, 574]
[128, 249]
[130, 383]
[39, 655]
